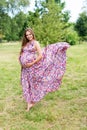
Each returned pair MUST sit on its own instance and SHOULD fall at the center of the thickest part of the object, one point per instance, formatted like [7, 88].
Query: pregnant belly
[26, 58]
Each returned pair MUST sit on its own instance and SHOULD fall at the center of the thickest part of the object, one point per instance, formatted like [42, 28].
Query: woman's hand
[27, 65]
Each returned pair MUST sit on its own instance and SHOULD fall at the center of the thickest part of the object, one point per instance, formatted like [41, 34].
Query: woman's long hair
[25, 40]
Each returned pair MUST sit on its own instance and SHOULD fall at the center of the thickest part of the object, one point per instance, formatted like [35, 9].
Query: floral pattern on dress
[46, 75]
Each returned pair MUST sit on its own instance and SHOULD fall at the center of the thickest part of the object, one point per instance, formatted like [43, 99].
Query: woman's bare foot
[29, 106]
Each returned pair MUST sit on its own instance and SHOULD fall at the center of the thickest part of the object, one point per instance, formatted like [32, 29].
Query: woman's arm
[39, 51]
[39, 57]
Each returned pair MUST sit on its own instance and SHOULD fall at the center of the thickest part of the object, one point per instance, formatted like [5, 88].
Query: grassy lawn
[65, 109]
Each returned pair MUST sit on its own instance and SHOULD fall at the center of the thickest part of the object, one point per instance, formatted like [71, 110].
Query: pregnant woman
[41, 69]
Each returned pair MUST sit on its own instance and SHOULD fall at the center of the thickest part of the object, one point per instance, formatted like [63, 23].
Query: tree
[13, 6]
[19, 19]
[81, 25]
[5, 25]
[8, 24]
[48, 21]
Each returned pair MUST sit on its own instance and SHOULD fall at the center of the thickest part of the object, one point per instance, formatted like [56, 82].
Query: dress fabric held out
[46, 75]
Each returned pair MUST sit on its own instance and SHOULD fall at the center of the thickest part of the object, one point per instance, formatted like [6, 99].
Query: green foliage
[11, 28]
[19, 21]
[81, 26]
[5, 25]
[66, 16]
[71, 35]
[48, 20]
[52, 24]
[13, 6]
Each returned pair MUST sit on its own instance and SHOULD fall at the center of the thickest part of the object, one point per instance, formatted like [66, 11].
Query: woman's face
[29, 35]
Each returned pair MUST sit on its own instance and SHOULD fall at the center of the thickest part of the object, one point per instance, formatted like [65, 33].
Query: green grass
[65, 109]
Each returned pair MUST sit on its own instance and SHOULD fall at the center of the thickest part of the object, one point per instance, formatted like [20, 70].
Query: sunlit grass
[65, 109]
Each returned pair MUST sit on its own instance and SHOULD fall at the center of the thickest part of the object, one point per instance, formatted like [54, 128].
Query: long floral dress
[46, 75]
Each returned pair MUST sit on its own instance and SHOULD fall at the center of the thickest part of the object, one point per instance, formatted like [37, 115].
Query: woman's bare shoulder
[36, 43]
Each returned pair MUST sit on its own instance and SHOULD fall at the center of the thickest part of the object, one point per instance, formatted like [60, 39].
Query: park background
[65, 109]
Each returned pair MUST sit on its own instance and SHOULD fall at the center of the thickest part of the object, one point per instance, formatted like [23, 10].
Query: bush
[72, 37]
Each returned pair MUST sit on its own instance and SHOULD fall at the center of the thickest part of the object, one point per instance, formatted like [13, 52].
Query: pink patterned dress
[46, 75]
